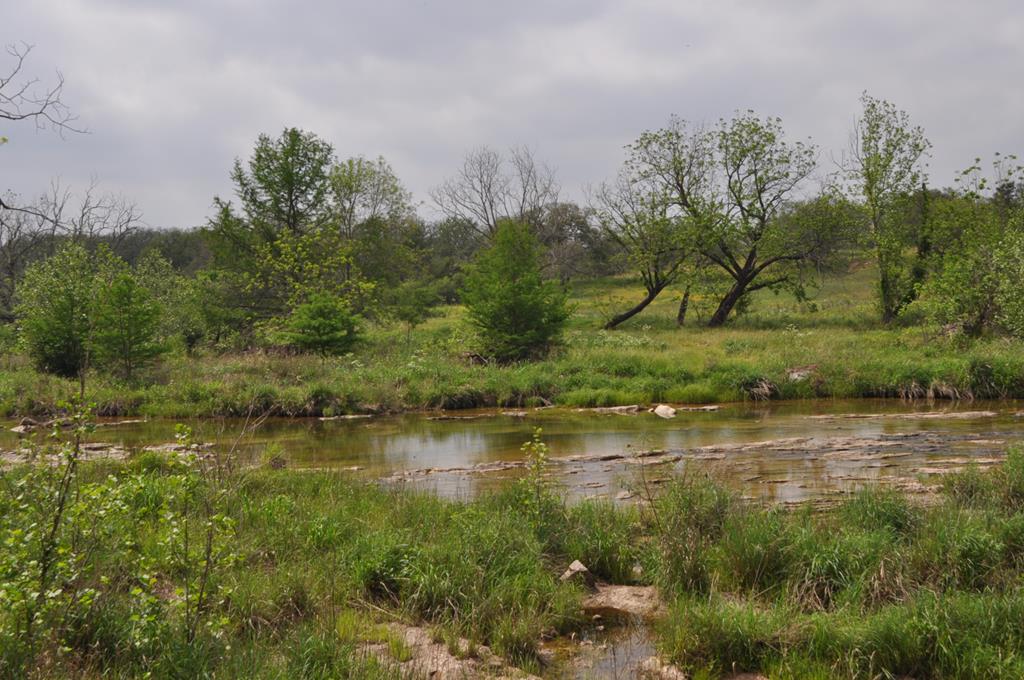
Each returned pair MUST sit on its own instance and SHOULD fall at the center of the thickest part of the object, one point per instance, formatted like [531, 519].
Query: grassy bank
[182, 567]
[833, 339]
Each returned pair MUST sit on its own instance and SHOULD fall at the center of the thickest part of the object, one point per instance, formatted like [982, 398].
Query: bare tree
[24, 98]
[32, 232]
[22, 236]
[491, 187]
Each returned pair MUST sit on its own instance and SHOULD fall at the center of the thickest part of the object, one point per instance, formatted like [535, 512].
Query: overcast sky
[173, 91]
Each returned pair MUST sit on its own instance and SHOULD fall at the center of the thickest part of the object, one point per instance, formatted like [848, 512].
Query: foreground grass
[181, 567]
[834, 339]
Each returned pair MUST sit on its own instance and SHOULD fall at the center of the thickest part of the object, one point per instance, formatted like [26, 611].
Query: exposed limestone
[430, 659]
[578, 573]
[924, 415]
[623, 603]
[349, 416]
[800, 373]
[664, 411]
[27, 425]
[630, 410]
[652, 668]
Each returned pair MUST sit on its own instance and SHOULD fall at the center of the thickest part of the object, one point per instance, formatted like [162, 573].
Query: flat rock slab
[430, 659]
[623, 602]
[925, 415]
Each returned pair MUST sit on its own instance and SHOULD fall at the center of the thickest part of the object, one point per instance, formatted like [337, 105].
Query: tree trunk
[683, 305]
[890, 308]
[728, 302]
[627, 315]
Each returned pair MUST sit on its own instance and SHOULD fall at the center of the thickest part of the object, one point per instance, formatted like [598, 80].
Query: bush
[517, 313]
[324, 326]
[56, 295]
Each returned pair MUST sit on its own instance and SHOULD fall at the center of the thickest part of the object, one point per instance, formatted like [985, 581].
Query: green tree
[324, 325]
[516, 312]
[55, 302]
[285, 185]
[297, 266]
[652, 237]
[691, 199]
[283, 189]
[125, 324]
[412, 303]
[975, 270]
[885, 168]
[180, 299]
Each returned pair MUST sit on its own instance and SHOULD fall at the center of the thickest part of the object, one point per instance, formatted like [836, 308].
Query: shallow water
[831, 452]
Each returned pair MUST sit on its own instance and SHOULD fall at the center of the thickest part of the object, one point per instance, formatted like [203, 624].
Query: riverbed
[788, 452]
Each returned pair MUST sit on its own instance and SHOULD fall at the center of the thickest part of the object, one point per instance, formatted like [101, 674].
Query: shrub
[516, 312]
[56, 295]
[324, 326]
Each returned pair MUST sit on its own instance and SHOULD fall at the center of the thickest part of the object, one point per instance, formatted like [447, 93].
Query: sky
[173, 91]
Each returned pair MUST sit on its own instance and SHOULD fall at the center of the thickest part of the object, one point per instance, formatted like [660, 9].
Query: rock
[578, 573]
[430, 659]
[350, 416]
[630, 410]
[653, 669]
[664, 411]
[624, 495]
[514, 414]
[800, 373]
[623, 602]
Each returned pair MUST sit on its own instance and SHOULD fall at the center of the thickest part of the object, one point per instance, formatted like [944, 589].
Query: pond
[780, 452]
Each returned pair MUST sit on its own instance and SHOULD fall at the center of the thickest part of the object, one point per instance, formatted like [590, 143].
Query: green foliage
[412, 303]
[693, 204]
[885, 168]
[284, 185]
[181, 298]
[296, 266]
[324, 326]
[976, 264]
[56, 304]
[85, 558]
[125, 322]
[517, 313]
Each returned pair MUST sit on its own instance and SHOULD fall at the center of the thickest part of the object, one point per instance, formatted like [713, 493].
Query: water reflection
[897, 447]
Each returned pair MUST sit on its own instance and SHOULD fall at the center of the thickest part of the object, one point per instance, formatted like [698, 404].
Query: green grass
[876, 587]
[835, 336]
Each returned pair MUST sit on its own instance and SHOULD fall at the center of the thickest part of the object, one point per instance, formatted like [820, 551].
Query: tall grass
[877, 587]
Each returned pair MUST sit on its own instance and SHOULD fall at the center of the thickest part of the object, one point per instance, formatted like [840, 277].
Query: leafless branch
[26, 98]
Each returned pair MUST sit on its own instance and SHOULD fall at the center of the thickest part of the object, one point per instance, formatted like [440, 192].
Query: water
[889, 442]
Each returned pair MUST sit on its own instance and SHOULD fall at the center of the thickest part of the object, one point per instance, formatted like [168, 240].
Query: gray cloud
[173, 91]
